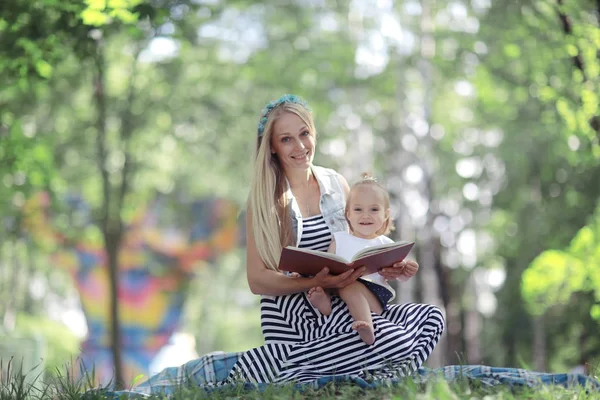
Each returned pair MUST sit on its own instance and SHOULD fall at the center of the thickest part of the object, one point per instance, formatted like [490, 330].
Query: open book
[310, 262]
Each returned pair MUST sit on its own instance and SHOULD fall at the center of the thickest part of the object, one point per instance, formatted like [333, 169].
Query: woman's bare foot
[365, 331]
[320, 300]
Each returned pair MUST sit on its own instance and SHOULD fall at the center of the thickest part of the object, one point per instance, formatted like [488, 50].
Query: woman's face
[293, 142]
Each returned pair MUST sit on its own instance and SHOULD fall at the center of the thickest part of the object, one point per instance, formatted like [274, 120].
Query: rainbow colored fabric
[156, 261]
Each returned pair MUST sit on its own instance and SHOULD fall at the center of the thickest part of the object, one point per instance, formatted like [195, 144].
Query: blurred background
[128, 128]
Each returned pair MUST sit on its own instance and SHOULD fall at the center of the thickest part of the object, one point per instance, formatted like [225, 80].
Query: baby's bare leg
[320, 299]
[361, 302]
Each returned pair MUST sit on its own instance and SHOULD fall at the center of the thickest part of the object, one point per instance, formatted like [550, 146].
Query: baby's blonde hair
[368, 180]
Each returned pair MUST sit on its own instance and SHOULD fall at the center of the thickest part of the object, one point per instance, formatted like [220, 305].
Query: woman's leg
[361, 302]
[418, 328]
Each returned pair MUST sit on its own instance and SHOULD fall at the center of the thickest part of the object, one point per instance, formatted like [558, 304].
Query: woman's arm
[345, 185]
[265, 281]
[331, 248]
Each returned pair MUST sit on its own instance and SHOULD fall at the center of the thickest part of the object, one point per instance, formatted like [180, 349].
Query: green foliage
[548, 156]
[36, 36]
[554, 276]
[27, 165]
[102, 12]
[58, 341]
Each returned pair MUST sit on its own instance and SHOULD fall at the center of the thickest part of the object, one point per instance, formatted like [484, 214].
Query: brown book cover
[310, 262]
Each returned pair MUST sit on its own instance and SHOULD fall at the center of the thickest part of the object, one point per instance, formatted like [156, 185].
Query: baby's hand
[410, 269]
[401, 271]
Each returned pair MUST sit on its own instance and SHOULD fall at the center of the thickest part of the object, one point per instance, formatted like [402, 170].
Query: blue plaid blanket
[208, 371]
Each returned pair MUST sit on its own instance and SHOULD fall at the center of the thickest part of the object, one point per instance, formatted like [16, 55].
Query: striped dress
[301, 345]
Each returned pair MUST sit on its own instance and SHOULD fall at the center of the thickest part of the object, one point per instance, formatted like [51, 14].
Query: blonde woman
[293, 202]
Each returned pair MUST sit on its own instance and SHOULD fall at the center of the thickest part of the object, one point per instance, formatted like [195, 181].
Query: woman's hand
[402, 271]
[325, 280]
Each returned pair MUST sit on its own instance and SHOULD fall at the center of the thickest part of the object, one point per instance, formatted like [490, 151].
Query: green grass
[434, 390]
[62, 385]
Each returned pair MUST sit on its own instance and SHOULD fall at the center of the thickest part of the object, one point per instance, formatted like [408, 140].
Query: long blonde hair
[268, 204]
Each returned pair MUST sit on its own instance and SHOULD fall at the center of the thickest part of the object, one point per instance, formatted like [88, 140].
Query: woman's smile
[292, 142]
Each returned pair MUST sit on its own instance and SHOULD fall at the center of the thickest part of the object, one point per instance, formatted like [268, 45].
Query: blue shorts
[382, 294]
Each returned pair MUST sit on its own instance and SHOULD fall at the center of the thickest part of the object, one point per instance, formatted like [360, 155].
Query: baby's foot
[365, 331]
[320, 300]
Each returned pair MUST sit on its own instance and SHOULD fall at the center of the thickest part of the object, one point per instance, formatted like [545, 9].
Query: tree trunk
[405, 290]
[28, 304]
[110, 230]
[397, 159]
[577, 59]
[454, 325]
[432, 293]
[112, 248]
[472, 323]
[539, 343]
[10, 312]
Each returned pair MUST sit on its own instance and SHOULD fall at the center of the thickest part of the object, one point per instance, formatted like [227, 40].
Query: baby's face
[367, 212]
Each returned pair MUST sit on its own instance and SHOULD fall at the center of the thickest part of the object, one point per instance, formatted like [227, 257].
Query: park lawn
[16, 388]
[439, 390]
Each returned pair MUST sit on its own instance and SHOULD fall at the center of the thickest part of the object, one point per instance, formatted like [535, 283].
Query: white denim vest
[332, 203]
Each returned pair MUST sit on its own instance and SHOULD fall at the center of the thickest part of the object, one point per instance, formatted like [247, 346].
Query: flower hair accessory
[367, 177]
[286, 98]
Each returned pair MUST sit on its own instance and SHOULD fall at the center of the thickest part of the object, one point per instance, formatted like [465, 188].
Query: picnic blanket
[212, 369]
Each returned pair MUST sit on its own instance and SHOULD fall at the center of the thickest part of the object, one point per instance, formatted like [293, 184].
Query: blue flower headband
[286, 98]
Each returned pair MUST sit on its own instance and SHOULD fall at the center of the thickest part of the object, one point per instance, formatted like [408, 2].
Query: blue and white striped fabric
[316, 235]
[213, 370]
[301, 345]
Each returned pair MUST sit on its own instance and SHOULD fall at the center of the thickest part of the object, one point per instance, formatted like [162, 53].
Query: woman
[293, 202]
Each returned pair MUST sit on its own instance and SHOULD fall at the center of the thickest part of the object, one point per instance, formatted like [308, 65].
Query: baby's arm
[331, 248]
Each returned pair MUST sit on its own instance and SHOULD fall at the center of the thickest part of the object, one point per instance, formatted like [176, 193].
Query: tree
[89, 28]
[527, 74]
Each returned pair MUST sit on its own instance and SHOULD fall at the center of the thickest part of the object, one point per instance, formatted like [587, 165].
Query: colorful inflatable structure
[156, 262]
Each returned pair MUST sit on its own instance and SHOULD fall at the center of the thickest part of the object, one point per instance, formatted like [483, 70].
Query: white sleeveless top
[347, 245]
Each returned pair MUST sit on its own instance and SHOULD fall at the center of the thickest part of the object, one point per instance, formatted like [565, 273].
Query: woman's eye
[285, 139]
[305, 133]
